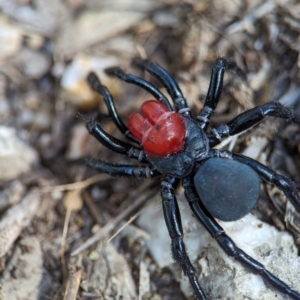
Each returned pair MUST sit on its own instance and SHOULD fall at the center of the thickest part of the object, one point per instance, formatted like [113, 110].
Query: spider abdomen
[227, 188]
[162, 132]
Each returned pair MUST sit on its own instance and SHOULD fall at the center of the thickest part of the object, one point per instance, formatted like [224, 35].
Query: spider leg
[150, 88]
[173, 222]
[96, 85]
[250, 118]
[283, 183]
[122, 170]
[168, 82]
[112, 143]
[227, 244]
[215, 89]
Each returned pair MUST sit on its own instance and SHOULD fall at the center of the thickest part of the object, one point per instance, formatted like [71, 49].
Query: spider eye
[227, 188]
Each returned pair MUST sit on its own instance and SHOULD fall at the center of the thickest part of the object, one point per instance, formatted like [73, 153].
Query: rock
[16, 157]
[74, 80]
[34, 64]
[11, 38]
[79, 142]
[93, 27]
[27, 278]
[220, 276]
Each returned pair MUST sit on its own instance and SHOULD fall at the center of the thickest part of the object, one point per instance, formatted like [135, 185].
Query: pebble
[16, 157]
[74, 79]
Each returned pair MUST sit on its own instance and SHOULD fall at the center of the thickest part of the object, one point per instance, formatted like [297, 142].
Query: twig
[74, 279]
[76, 185]
[16, 219]
[113, 223]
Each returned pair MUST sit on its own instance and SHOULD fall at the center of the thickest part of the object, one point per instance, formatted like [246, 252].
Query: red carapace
[161, 131]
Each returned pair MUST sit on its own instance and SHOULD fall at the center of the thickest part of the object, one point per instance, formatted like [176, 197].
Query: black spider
[173, 145]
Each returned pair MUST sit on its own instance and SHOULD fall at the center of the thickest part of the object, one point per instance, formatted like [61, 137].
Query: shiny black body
[199, 167]
[195, 149]
[214, 182]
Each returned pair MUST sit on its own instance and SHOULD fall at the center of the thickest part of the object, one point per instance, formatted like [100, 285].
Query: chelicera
[178, 148]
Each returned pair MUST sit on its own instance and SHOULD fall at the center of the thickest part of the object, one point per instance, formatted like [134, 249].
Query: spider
[178, 148]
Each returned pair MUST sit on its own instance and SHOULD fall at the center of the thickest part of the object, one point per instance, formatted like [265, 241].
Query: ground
[67, 232]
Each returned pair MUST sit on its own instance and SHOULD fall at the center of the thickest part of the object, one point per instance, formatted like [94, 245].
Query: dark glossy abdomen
[227, 188]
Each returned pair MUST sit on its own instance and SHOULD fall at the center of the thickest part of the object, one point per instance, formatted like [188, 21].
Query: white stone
[11, 37]
[94, 27]
[27, 279]
[16, 157]
[220, 276]
[74, 79]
